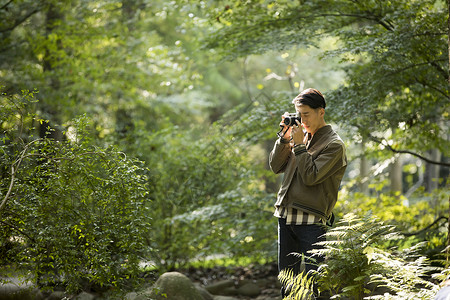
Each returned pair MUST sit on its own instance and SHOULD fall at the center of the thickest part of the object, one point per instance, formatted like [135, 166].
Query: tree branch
[20, 21]
[409, 152]
[426, 228]
[377, 19]
[20, 231]
[6, 5]
[411, 66]
[425, 84]
[14, 168]
[438, 68]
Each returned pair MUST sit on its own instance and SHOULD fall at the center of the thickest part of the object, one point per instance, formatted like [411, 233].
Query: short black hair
[311, 97]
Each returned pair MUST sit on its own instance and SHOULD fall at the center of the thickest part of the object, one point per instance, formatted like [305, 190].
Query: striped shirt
[297, 217]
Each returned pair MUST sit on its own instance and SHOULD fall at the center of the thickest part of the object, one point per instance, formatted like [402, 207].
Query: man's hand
[286, 129]
[297, 133]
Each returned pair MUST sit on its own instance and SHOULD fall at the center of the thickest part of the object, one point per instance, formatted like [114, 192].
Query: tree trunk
[432, 171]
[49, 109]
[448, 41]
[364, 171]
[124, 119]
[395, 175]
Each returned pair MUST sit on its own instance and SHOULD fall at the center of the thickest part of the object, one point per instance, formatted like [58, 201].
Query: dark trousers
[298, 239]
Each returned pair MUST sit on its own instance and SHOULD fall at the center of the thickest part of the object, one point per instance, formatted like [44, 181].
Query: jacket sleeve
[314, 171]
[279, 156]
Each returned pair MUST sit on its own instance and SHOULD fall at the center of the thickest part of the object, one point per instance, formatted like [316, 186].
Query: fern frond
[355, 261]
[405, 279]
[298, 287]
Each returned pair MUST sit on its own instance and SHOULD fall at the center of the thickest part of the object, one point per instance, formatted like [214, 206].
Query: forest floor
[265, 276]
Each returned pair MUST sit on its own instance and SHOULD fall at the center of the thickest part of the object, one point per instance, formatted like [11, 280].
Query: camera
[290, 119]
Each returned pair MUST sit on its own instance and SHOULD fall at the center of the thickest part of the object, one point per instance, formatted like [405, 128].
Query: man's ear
[322, 112]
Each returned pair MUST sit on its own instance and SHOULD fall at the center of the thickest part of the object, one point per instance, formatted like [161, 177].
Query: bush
[350, 249]
[356, 267]
[73, 214]
[207, 199]
[416, 218]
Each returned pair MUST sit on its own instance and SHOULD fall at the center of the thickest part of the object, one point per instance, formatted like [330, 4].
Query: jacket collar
[325, 130]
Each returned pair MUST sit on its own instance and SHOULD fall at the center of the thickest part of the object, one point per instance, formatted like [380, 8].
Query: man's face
[312, 119]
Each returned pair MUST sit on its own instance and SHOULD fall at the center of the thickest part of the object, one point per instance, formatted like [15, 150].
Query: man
[313, 164]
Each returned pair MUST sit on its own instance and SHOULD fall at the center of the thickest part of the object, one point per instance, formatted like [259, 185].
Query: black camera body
[290, 119]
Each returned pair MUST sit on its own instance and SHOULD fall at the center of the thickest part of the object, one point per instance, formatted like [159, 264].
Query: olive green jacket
[312, 173]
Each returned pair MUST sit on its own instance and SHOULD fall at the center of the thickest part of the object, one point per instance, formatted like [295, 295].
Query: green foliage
[297, 286]
[422, 218]
[77, 215]
[206, 198]
[349, 250]
[356, 267]
[107, 59]
[408, 275]
[139, 70]
[395, 55]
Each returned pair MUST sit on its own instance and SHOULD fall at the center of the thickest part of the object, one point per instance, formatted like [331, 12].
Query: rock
[249, 289]
[218, 287]
[175, 286]
[140, 296]
[203, 292]
[84, 296]
[56, 295]
[11, 291]
[224, 298]
[269, 298]
[229, 291]
[131, 296]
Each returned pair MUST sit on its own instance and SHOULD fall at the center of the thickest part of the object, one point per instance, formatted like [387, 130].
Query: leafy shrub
[356, 267]
[206, 198]
[349, 251]
[413, 217]
[78, 214]
[408, 275]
